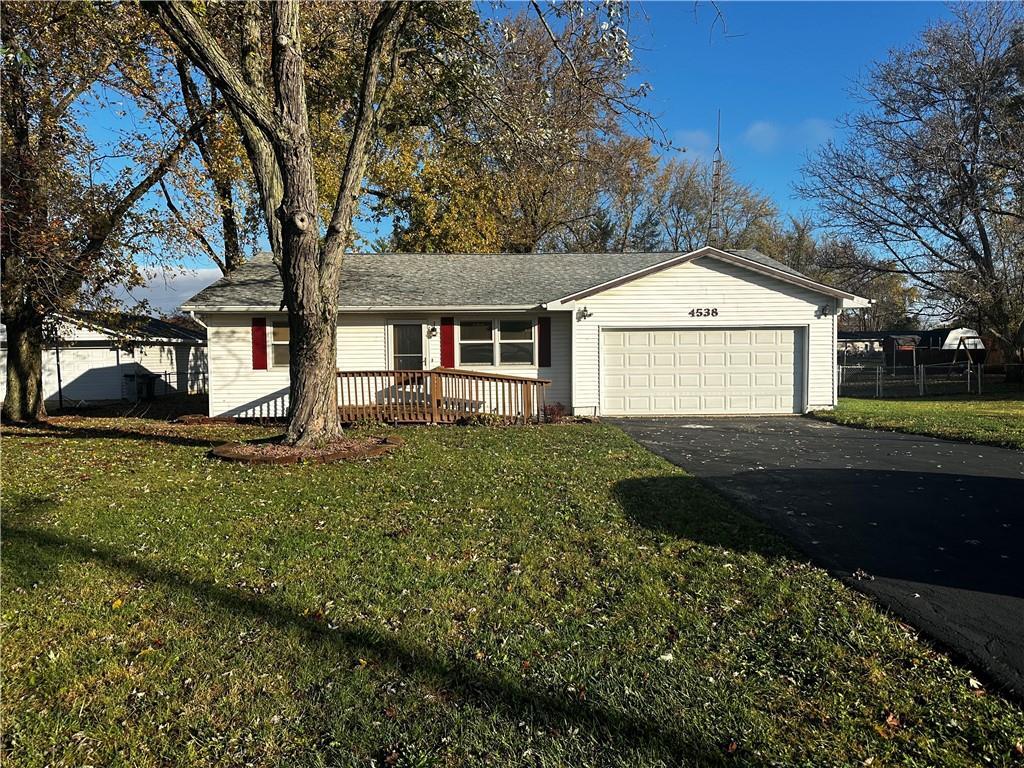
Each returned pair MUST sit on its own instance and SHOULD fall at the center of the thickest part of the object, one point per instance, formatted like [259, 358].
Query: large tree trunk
[24, 399]
[310, 286]
[310, 270]
[313, 403]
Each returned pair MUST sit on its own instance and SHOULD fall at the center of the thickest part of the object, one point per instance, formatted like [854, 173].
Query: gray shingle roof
[446, 280]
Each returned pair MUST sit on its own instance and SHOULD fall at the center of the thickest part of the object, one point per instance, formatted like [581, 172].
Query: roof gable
[750, 259]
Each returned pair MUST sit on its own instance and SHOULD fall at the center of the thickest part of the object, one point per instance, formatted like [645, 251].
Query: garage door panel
[613, 340]
[639, 404]
[714, 403]
[676, 371]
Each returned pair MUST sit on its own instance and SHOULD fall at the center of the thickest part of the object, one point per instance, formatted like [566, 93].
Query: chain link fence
[876, 380]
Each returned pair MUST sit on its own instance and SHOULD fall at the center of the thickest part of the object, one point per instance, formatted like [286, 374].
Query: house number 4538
[704, 312]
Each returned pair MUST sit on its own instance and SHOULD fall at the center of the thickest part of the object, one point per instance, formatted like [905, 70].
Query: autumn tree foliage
[520, 160]
[76, 215]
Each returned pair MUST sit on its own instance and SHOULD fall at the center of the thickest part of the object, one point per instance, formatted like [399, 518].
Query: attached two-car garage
[679, 371]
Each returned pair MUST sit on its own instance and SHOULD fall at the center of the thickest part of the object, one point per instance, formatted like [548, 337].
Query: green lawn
[528, 596]
[996, 419]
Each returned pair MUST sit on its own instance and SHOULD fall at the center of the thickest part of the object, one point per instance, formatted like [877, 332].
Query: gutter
[380, 308]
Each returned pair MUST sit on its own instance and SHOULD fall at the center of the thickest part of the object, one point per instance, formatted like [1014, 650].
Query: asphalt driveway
[931, 528]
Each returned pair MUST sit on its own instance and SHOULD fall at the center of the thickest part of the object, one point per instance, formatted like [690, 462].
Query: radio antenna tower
[715, 219]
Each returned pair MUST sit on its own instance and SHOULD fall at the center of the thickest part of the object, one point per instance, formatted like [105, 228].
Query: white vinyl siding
[235, 388]
[700, 371]
[364, 343]
[744, 299]
[93, 367]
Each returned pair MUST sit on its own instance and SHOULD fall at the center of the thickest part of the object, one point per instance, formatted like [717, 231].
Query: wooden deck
[438, 396]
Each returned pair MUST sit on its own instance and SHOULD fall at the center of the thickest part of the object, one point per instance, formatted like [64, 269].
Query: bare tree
[932, 173]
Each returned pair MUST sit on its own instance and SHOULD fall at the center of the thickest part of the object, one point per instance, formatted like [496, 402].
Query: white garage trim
[709, 370]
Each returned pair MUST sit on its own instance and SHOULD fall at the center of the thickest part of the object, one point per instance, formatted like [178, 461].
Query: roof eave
[377, 308]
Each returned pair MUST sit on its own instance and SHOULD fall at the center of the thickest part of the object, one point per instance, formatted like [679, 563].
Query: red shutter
[447, 342]
[259, 343]
[544, 342]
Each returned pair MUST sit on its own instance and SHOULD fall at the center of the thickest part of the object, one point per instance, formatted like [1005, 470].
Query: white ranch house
[616, 334]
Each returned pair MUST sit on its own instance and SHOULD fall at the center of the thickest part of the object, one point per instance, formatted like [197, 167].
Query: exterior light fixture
[583, 313]
[431, 331]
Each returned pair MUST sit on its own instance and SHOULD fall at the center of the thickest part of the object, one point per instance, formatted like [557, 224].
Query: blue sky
[781, 73]
[781, 76]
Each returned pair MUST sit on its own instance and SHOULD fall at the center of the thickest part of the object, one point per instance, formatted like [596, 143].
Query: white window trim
[496, 342]
[271, 343]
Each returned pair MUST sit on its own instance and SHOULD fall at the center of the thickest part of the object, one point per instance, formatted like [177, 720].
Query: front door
[407, 343]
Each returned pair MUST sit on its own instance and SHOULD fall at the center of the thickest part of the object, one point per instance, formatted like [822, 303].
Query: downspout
[60, 383]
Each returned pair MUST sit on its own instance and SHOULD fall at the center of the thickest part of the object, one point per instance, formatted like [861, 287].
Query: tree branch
[200, 46]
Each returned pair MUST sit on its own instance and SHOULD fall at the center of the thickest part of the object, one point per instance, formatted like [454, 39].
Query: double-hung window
[476, 342]
[497, 342]
[279, 338]
[515, 342]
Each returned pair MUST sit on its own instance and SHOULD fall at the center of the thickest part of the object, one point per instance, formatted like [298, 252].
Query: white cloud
[814, 131]
[697, 143]
[762, 135]
[167, 289]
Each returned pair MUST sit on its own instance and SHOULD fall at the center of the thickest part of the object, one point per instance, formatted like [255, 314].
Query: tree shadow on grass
[683, 506]
[80, 431]
[487, 690]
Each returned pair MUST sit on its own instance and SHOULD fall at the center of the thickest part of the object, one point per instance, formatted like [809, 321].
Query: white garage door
[666, 371]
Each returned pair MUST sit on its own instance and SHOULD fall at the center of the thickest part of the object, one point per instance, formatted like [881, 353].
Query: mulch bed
[273, 452]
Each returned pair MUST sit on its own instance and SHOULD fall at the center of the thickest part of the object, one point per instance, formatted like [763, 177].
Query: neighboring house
[708, 332]
[92, 358]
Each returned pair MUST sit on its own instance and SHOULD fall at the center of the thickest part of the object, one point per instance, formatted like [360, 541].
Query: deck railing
[438, 396]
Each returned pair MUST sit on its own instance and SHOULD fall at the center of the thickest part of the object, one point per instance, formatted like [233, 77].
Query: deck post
[435, 394]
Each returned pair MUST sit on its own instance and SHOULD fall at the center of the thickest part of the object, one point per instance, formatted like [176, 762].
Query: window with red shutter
[259, 344]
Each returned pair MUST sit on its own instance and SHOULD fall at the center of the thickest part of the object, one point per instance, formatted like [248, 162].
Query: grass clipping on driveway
[542, 596]
[989, 420]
